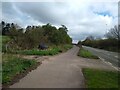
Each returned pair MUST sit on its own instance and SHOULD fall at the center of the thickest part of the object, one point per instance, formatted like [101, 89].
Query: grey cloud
[80, 20]
[83, 35]
[7, 7]
[45, 12]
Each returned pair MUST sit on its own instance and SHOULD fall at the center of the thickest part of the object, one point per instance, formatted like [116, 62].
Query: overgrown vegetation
[40, 52]
[32, 36]
[86, 54]
[0, 43]
[66, 47]
[101, 79]
[51, 51]
[111, 43]
[4, 41]
[13, 66]
[107, 44]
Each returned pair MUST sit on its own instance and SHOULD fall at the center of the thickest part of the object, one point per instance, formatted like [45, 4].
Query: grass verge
[64, 48]
[86, 54]
[13, 66]
[40, 52]
[51, 51]
[101, 79]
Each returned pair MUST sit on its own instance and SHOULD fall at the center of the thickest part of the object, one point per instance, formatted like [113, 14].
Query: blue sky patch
[105, 13]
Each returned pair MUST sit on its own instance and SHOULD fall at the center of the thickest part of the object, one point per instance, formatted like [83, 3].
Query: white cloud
[82, 17]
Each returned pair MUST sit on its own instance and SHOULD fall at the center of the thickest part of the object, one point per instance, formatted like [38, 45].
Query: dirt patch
[35, 57]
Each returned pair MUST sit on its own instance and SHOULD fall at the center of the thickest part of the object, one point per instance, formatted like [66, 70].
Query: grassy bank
[86, 54]
[13, 66]
[66, 47]
[40, 52]
[51, 51]
[100, 79]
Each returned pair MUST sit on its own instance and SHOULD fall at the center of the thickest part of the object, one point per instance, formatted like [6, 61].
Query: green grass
[67, 47]
[40, 52]
[3, 41]
[86, 54]
[0, 43]
[51, 51]
[100, 79]
[13, 65]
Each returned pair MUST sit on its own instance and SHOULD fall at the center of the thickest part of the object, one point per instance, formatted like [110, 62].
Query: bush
[112, 44]
[34, 35]
[3, 41]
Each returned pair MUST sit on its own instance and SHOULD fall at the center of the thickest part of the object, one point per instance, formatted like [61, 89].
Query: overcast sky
[82, 17]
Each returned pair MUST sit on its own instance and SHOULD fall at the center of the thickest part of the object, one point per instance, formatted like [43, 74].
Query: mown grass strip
[101, 79]
[86, 54]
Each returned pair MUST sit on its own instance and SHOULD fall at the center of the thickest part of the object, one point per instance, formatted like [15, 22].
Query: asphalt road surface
[109, 57]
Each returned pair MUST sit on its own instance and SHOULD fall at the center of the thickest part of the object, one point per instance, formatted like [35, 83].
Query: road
[60, 71]
[110, 57]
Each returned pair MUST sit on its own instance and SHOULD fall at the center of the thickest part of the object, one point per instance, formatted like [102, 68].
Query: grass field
[13, 66]
[86, 54]
[100, 79]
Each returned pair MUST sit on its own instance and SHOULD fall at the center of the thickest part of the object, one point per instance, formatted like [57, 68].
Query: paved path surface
[110, 57]
[60, 71]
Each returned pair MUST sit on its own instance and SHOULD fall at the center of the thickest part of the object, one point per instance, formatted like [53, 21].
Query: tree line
[111, 41]
[32, 36]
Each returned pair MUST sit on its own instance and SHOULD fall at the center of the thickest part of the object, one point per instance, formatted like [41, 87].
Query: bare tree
[114, 33]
